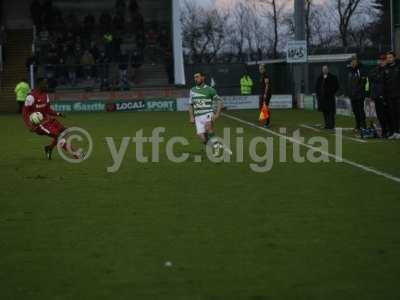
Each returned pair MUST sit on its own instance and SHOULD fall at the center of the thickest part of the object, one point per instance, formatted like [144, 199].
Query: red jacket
[37, 102]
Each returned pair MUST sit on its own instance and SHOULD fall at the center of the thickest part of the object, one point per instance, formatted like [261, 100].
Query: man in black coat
[376, 80]
[392, 93]
[326, 88]
[356, 88]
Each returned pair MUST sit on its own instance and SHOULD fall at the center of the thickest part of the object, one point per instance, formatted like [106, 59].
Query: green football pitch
[198, 230]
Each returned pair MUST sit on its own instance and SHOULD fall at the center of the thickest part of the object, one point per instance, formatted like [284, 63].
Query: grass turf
[300, 231]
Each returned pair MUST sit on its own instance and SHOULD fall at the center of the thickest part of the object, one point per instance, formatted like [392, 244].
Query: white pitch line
[344, 137]
[310, 127]
[337, 158]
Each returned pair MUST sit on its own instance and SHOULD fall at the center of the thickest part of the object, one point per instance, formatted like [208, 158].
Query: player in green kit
[202, 101]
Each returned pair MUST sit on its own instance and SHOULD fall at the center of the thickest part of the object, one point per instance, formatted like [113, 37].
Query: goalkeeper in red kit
[38, 101]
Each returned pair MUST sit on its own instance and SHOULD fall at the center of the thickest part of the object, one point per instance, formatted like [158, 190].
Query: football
[36, 118]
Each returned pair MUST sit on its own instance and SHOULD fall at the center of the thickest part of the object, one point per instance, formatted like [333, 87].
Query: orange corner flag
[264, 113]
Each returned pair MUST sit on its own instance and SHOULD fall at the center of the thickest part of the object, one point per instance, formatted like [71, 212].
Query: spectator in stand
[52, 63]
[392, 93]
[119, 22]
[72, 23]
[59, 40]
[94, 50]
[84, 39]
[108, 45]
[123, 70]
[152, 39]
[78, 41]
[136, 62]
[69, 39]
[63, 69]
[356, 88]
[89, 22]
[103, 69]
[44, 42]
[140, 40]
[78, 51]
[377, 94]
[120, 7]
[21, 91]
[44, 35]
[36, 13]
[164, 39]
[137, 58]
[117, 42]
[59, 20]
[137, 22]
[169, 65]
[133, 6]
[105, 21]
[87, 61]
[71, 64]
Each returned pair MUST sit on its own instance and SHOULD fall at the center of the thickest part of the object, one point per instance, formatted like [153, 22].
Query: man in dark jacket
[356, 88]
[376, 80]
[266, 93]
[326, 88]
[392, 93]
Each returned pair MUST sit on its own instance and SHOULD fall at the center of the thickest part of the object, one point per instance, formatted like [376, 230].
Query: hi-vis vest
[246, 85]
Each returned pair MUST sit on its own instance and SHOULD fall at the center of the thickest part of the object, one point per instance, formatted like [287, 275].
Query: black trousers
[383, 114]
[357, 106]
[329, 118]
[394, 107]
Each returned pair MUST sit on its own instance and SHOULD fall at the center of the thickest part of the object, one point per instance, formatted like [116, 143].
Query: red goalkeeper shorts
[51, 127]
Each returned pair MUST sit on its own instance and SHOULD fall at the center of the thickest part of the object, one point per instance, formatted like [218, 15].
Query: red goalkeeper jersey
[37, 102]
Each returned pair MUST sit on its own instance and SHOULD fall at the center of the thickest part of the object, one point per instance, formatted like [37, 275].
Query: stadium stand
[91, 46]
[103, 45]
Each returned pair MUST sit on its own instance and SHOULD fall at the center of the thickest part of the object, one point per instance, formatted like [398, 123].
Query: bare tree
[346, 10]
[215, 30]
[191, 27]
[241, 16]
[273, 11]
[255, 33]
[324, 35]
[275, 20]
[204, 31]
